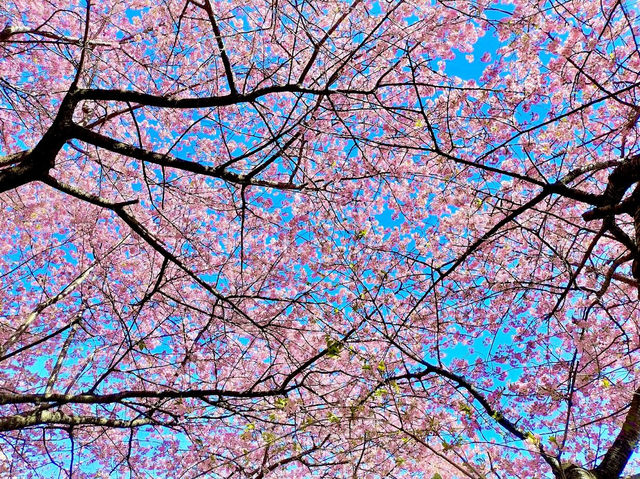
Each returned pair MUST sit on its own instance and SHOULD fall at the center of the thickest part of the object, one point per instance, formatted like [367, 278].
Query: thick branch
[620, 451]
[39, 418]
[14, 158]
[164, 101]
[18, 175]
[35, 164]
[620, 180]
[142, 154]
[223, 52]
[14, 398]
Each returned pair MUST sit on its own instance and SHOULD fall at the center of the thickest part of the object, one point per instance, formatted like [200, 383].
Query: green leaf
[334, 347]
[333, 419]
[465, 408]
[361, 234]
[380, 392]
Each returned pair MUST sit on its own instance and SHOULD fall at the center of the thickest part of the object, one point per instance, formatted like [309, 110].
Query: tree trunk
[574, 472]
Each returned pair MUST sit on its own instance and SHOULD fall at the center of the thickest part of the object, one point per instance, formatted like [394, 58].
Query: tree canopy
[293, 238]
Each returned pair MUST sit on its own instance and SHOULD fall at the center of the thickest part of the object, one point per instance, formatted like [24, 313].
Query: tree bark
[620, 451]
[576, 472]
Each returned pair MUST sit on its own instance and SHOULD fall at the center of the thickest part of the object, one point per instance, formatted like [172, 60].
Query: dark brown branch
[16, 398]
[166, 101]
[478, 243]
[620, 180]
[80, 133]
[18, 175]
[323, 40]
[620, 451]
[462, 382]
[45, 417]
[39, 341]
[14, 158]
[223, 52]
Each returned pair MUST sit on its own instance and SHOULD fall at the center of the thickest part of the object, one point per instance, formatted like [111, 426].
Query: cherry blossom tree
[295, 238]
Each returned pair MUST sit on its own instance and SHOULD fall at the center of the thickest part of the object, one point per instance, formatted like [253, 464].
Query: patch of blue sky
[469, 66]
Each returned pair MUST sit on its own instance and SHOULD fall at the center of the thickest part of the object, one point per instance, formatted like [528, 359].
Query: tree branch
[39, 418]
[616, 458]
